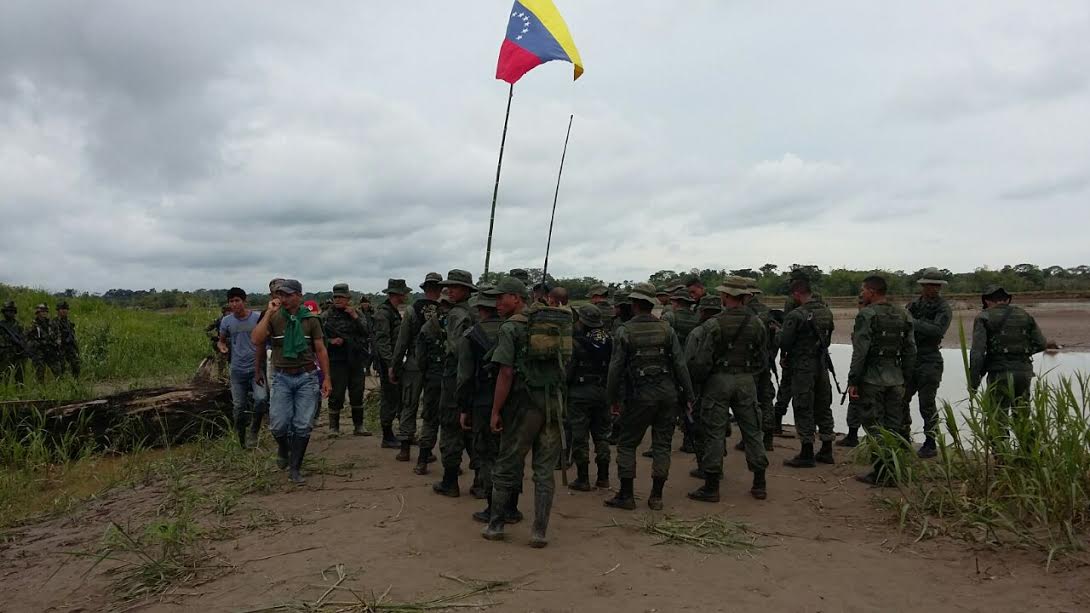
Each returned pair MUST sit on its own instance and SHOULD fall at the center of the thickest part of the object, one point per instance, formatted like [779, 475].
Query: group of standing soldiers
[50, 344]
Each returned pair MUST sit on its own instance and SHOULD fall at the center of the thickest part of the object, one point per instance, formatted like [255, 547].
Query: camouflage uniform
[930, 320]
[1005, 337]
[14, 349]
[431, 352]
[387, 327]
[783, 398]
[416, 369]
[683, 318]
[588, 411]
[453, 441]
[733, 350]
[805, 336]
[476, 386]
[347, 361]
[66, 336]
[645, 372]
[709, 307]
[44, 343]
[766, 391]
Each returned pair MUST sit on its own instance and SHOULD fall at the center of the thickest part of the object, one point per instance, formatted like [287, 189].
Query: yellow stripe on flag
[550, 17]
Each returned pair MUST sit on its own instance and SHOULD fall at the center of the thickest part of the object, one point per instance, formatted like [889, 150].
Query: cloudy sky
[210, 144]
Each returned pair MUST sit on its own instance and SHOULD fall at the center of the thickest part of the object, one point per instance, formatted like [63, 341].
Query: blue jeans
[243, 385]
[292, 406]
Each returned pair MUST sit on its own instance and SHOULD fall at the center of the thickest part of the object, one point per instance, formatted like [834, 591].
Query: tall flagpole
[556, 196]
[496, 189]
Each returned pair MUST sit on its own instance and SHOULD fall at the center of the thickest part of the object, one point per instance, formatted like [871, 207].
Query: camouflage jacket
[42, 337]
[13, 344]
[66, 334]
[1005, 338]
[883, 346]
[356, 337]
[406, 350]
[930, 321]
[387, 327]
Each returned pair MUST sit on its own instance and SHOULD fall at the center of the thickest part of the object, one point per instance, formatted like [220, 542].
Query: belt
[298, 371]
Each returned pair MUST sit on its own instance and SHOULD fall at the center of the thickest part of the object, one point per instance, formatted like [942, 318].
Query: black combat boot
[486, 515]
[654, 501]
[603, 476]
[298, 450]
[254, 438]
[477, 489]
[449, 485]
[778, 428]
[242, 425]
[421, 467]
[805, 459]
[759, 489]
[709, 492]
[928, 449]
[358, 429]
[494, 530]
[825, 454]
[406, 452]
[582, 481]
[850, 440]
[543, 504]
[389, 441]
[625, 499]
[283, 451]
[511, 514]
[741, 445]
[768, 442]
[334, 423]
[697, 473]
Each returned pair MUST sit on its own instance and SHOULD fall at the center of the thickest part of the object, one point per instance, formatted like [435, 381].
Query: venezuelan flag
[536, 34]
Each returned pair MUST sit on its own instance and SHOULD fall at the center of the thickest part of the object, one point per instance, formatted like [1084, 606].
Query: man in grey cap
[931, 316]
[418, 369]
[348, 343]
[387, 328]
[453, 441]
[648, 364]
[588, 411]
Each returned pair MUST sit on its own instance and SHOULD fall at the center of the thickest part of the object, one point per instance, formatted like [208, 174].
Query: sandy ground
[828, 546]
[1064, 323]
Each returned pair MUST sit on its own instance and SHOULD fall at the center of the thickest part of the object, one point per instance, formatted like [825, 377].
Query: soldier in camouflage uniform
[646, 371]
[387, 328]
[683, 318]
[44, 343]
[766, 393]
[695, 287]
[14, 349]
[521, 274]
[931, 316]
[732, 351]
[453, 441]
[347, 342]
[66, 335]
[1005, 337]
[416, 369]
[709, 307]
[783, 396]
[883, 358]
[855, 419]
[588, 411]
[805, 336]
[599, 297]
[524, 412]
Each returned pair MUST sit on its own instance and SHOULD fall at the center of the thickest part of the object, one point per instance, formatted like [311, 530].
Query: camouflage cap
[662, 292]
[520, 274]
[431, 277]
[340, 290]
[485, 297]
[62, 305]
[590, 316]
[511, 285]
[734, 286]
[931, 276]
[622, 298]
[682, 295]
[10, 306]
[396, 286]
[457, 276]
[710, 303]
[751, 283]
[995, 291]
[275, 283]
[598, 290]
[643, 291]
[289, 286]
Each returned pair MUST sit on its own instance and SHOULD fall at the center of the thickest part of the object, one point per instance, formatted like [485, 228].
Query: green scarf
[295, 341]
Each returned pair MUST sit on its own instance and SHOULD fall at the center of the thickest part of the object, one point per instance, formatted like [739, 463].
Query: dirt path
[827, 546]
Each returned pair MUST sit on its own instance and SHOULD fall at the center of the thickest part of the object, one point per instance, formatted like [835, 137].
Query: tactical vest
[1008, 332]
[926, 310]
[423, 311]
[685, 321]
[888, 327]
[549, 333]
[738, 349]
[817, 328]
[483, 336]
[650, 354]
[433, 338]
[593, 349]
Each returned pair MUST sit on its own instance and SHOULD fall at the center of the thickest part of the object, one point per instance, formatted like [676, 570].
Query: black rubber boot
[406, 452]
[477, 489]
[298, 450]
[709, 492]
[697, 473]
[254, 437]
[582, 481]
[283, 452]
[511, 514]
[543, 504]
[358, 428]
[759, 490]
[850, 440]
[805, 459]
[741, 445]
[242, 426]
[486, 515]
[778, 428]
[494, 530]
[625, 499]
[928, 449]
[654, 501]
[825, 454]
[603, 476]
[334, 423]
[389, 441]
[768, 442]
[449, 485]
[421, 467]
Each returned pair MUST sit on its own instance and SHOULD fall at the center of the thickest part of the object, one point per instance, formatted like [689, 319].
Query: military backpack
[889, 326]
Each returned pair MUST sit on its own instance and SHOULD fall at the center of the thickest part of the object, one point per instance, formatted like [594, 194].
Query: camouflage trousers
[657, 411]
[70, 362]
[1011, 390]
[590, 420]
[51, 363]
[881, 407]
[453, 440]
[527, 430]
[925, 381]
[725, 392]
[855, 417]
[766, 397]
[390, 405]
[346, 376]
[812, 397]
[486, 445]
[431, 390]
[783, 398]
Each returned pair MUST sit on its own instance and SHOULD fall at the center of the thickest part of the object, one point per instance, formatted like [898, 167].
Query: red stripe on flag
[514, 62]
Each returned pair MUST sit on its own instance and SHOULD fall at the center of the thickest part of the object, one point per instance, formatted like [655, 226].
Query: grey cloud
[1048, 188]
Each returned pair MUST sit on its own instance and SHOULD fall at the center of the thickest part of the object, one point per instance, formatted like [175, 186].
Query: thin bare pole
[496, 189]
[556, 196]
